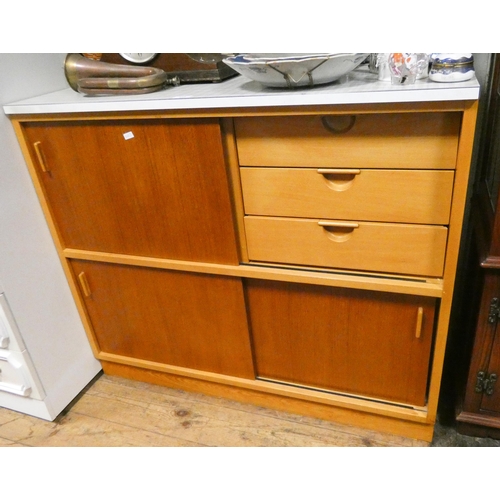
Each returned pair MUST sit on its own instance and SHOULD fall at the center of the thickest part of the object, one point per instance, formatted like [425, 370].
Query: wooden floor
[125, 439]
[115, 412]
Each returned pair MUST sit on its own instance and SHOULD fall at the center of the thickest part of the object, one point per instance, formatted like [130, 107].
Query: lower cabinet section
[184, 319]
[371, 344]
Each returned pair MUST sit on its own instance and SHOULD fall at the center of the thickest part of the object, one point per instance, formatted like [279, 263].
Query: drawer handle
[338, 224]
[338, 231]
[40, 156]
[335, 129]
[339, 179]
[339, 171]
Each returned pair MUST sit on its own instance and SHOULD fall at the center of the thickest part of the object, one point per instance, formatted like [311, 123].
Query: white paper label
[128, 135]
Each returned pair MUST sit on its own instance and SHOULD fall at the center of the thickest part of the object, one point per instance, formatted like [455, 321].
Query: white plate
[294, 70]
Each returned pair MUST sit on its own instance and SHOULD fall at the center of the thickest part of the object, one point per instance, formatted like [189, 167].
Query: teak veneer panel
[393, 140]
[371, 344]
[156, 188]
[170, 317]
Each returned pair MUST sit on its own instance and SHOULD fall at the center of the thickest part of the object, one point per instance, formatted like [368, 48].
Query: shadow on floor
[447, 436]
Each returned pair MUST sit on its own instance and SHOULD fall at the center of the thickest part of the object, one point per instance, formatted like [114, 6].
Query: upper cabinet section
[370, 192]
[154, 188]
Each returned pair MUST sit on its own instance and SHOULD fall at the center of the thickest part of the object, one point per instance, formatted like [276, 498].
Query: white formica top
[358, 87]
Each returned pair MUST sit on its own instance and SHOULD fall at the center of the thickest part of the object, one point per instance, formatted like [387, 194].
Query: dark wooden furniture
[479, 411]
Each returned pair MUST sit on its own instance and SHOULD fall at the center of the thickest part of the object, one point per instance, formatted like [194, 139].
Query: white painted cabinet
[17, 373]
[45, 357]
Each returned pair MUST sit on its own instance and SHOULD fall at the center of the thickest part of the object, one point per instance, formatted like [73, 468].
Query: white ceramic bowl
[294, 70]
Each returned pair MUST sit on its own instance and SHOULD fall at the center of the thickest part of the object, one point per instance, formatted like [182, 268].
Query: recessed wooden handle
[84, 284]
[339, 171]
[40, 156]
[420, 318]
[339, 179]
[339, 224]
[338, 124]
[338, 231]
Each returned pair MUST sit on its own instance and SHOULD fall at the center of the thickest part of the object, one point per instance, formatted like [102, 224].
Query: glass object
[405, 67]
[384, 73]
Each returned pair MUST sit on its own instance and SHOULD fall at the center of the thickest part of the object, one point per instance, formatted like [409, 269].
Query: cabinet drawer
[391, 140]
[416, 196]
[365, 246]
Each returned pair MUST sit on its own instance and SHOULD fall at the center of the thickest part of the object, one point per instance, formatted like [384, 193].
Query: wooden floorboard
[127, 439]
[115, 412]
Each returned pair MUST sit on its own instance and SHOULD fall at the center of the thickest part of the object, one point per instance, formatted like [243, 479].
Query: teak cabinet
[298, 259]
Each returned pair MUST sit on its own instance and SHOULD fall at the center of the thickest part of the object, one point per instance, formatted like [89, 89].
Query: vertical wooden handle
[420, 318]
[84, 284]
[40, 156]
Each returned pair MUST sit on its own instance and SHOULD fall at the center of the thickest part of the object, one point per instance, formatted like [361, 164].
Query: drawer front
[16, 375]
[414, 196]
[10, 337]
[12, 376]
[363, 246]
[391, 140]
